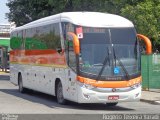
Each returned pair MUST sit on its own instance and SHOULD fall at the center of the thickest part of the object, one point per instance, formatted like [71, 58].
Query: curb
[4, 73]
[150, 101]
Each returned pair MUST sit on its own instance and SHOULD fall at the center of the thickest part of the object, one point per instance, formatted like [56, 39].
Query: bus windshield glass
[108, 53]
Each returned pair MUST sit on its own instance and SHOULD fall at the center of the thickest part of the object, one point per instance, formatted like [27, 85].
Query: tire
[59, 94]
[20, 84]
[111, 104]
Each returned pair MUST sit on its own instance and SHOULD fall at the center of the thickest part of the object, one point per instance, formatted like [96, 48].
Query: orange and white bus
[85, 57]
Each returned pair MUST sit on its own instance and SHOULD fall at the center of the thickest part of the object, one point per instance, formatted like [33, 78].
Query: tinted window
[123, 36]
[43, 37]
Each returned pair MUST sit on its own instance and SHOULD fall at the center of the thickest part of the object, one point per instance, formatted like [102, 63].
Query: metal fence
[150, 65]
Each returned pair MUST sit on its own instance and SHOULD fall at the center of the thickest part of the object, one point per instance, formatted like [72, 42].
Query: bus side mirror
[147, 42]
[59, 50]
[76, 45]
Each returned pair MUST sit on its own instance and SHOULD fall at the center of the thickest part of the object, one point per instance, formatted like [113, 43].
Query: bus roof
[88, 19]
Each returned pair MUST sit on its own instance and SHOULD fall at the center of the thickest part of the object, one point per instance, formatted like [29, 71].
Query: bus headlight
[136, 85]
[88, 86]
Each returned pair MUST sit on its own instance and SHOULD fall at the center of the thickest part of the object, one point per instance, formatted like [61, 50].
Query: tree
[24, 11]
[146, 17]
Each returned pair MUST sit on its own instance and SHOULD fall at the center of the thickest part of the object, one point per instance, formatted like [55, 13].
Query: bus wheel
[20, 84]
[59, 93]
[111, 104]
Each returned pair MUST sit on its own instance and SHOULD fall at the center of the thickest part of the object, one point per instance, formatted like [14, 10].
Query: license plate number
[115, 97]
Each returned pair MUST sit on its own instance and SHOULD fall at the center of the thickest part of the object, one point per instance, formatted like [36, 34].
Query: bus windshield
[109, 53]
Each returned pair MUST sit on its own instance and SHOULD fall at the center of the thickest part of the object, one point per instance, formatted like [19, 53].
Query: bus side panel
[15, 69]
[43, 78]
[14, 74]
[40, 78]
[71, 89]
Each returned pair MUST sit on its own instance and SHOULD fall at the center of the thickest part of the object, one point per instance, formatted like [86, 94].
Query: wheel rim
[60, 93]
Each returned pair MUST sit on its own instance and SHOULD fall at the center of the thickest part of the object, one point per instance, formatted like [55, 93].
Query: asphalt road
[13, 102]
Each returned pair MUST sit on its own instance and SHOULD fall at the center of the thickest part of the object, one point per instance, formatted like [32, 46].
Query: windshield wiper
[103, 66]
[104, 63]
[121, 64]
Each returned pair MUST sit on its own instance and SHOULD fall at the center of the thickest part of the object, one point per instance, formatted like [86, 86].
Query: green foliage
[146, 17]
[24, 11]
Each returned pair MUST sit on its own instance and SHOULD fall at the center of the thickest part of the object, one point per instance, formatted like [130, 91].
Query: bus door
[71, 72]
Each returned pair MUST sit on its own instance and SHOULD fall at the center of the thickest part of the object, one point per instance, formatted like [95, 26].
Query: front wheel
[59, 93]
[111, 104]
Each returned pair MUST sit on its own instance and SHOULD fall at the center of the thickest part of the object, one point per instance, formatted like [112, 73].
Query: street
[11, 101]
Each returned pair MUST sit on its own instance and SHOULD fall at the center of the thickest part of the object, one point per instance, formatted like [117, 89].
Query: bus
[84, 57]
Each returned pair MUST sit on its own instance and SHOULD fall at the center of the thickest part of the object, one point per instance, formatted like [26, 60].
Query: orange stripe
[37, 57]
[33, 52]
[110, 84]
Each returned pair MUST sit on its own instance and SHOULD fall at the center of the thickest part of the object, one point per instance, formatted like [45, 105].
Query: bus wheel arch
[59, 91]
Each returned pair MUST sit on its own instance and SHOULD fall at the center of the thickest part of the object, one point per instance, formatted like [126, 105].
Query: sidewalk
[4, 73]
[152, 97]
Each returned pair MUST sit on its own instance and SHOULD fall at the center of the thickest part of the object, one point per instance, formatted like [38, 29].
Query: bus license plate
[115, 97]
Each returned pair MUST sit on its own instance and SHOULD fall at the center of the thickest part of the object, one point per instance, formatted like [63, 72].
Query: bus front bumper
[90, 96]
